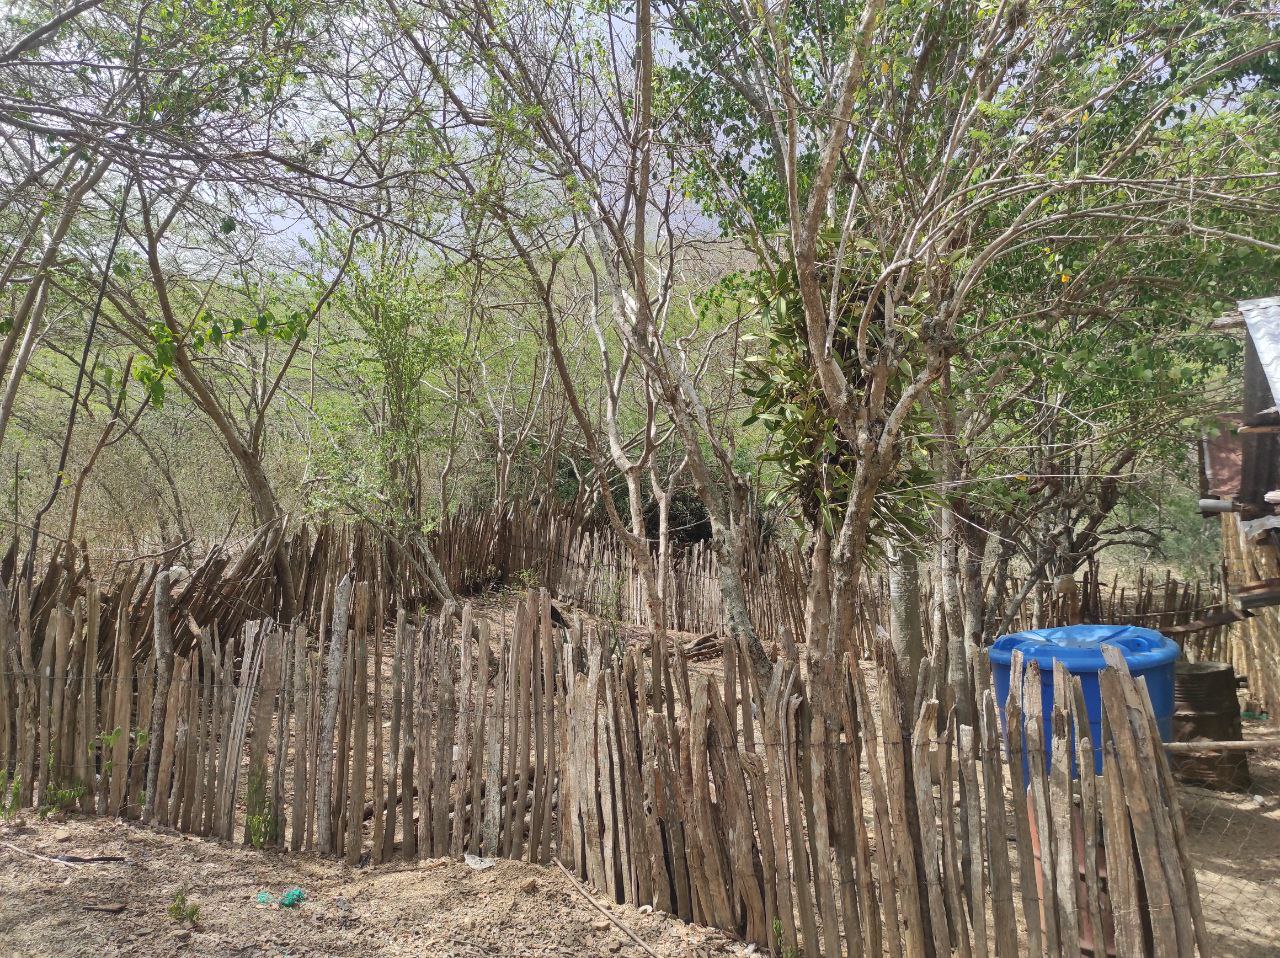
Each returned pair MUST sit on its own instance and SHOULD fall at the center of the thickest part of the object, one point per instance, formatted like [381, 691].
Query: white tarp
[1262, 316]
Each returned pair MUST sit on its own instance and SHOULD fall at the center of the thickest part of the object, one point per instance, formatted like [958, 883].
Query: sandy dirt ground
[445, 908]
[437, 908]
[1235, 843]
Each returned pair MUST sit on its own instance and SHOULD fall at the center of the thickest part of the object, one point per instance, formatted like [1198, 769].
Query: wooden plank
[479, 752]
[1092, 912]
[250, 672]
[279, 755]
[9, 677]
[395, 740]
[1061, 811]
[611, 839]
[359, 736]
[260, 817]
[122, 703]
[653, 808]
[1117, 833]
[183, 798]
[58, 746]
[804, 904]
[634, 857]
[135, 789]
[466, 728]
[1018, 763]
[713, 890]
[71, 759]
[301, 690]
[670, 786]
[342, 755]
[1141, 815]
[953, 880]
[868, 904]
[44, 731]
[729, 670]
[162, 783]
[442, 763]
[906, 839]
[587, 776]
[521, 677]
[329, 715]
[1039, 807]
[550, 711]
[182, 815]
[1178, 826]
[1147, 758]
[91, 721]
[739, 828]
[931, 852]
[997, 831]
[884, 845]
[540, 625]
[415, 727]
[207, 755]
[28, 698]
[377, 852]
[315, 662]
[787, 935]
[225, 717]
[162, 638]
[814, 751]
[498, 722]
[567, 816]
[976, 887]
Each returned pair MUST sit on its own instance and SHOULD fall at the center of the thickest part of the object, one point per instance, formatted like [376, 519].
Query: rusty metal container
[1206, 707]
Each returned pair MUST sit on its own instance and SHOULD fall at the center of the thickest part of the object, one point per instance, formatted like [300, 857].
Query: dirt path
[440, 908]
[1235, 844]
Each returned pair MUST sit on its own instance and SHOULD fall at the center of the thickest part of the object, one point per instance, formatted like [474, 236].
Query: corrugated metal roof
[1262, 316]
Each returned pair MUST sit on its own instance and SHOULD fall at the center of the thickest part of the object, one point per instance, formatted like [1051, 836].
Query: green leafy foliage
[815, 462]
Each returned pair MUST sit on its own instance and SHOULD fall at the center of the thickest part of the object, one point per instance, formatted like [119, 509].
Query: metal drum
[1206, 707]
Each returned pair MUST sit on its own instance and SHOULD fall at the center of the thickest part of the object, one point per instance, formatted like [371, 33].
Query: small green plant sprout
[518, 582]
[783, 949]
[59, 799]
[183, 911]
[106, 741]
[262, 820]
[10, 795]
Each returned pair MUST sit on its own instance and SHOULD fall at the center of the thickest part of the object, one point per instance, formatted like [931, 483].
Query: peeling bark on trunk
[906, 631]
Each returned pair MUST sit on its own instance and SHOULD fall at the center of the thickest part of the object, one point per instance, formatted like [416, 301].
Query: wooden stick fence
[1253, 645]
[583, 566]
[811, 810]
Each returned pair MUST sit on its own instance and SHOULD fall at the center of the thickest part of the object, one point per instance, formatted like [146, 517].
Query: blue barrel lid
[1079, 647]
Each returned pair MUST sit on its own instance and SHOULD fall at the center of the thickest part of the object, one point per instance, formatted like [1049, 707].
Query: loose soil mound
[438, 908]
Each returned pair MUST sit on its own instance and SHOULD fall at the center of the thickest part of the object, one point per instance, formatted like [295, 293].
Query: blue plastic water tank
[1078, 647]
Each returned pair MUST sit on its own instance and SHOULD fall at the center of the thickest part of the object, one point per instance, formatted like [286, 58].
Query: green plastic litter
[292, 897]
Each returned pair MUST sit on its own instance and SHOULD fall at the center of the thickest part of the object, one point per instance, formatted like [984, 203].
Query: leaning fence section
[812, 810]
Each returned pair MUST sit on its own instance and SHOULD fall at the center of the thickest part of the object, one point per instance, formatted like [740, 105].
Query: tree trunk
[266, 508]
[958, 651]
[906, 631]
[24, 357]
[818, 601]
